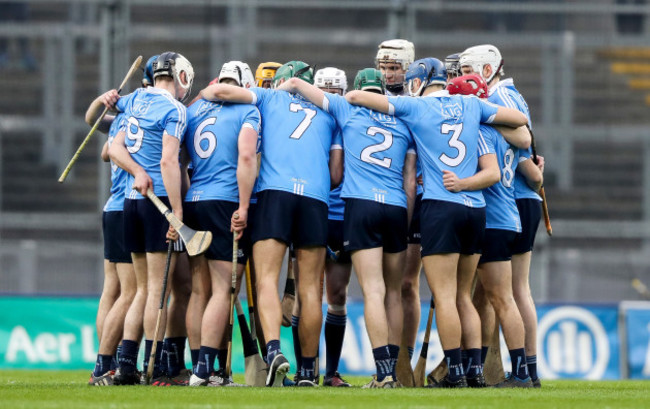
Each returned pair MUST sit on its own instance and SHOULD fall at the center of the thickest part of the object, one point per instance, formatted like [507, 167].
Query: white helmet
[330, 77]
[479, 55]
[172, 64]
[396, 51]
[238, 71]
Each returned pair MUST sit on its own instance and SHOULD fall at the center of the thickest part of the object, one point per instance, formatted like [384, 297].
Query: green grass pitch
[68, 389]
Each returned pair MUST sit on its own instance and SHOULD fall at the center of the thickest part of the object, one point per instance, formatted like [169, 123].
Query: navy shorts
[368, 224]
[214, 216]
[335, 241]
[414, 228]
[113, 228]
[290, 218]
[497, 245]
[451, 228]
[145, 228]
[530, 213]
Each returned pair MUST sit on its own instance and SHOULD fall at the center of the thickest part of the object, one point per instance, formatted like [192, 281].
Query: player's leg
[311, 262]
[337, 278]
[176, 330]
[441, 226]
[470, 321]
[526, 305]
[368, 265]
[496, 277]
[134, 242]
[393, 271]
[530, 214]
[155, 271]
[411, 296]
[110, 292]
[411, 281]
[198, 300]
[487, 317]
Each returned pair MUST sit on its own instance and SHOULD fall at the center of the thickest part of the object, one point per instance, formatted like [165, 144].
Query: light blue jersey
[501, 209]
[150, 112]
[505, 94]
[257, 152]
[211, 139]
[296, 141]
[115, 203]
[445, 128]
[375, 146]
[336, 206]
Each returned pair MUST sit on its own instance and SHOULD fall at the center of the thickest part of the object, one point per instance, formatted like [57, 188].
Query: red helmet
[471, 84]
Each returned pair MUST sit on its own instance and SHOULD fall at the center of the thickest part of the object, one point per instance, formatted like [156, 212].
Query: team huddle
[424, 163]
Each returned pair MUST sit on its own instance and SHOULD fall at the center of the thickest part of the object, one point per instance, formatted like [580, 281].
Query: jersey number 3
[455, 143]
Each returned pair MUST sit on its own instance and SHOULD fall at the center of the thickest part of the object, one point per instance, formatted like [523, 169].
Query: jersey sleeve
[525, 154]
[338, 107]
[337, 140]
[402, 107]
[123, 101]
[252, 119]
[260, 95]
[487, 109]
[486, 140]
[175, 122]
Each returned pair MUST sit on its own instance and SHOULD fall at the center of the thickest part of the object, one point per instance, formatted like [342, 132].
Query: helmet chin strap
[395, 88]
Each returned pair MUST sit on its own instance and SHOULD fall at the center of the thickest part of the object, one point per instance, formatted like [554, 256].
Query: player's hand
[142, 183]
[238, 223]
[451, 181]
[540, 163]
[172, 234]
[419, 180]
[110, 98]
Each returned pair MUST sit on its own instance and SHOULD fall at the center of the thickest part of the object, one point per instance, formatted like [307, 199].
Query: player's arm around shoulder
[532, 173]
[510, 117]
[229, 93]
[518, 137]
[487, 175]
[310, 92]
[370, 100]
[94, 111]
[119, 154]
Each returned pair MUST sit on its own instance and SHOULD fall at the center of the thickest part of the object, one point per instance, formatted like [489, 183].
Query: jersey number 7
[304, 124]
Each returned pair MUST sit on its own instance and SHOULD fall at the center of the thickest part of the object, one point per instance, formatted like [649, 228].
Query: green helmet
[370, 79]
[292, 69]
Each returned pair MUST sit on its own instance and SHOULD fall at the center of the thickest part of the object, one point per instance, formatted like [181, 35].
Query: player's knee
[337, 298]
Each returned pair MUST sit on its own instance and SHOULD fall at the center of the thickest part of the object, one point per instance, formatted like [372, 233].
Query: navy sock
[272, 349]
[382, 362]
[411, 352]
[157, 366]
[296, 340]
[532, 366]
[128, 359]
[222, 356]
[484, 351]
[334, 333]
[393, 351]
[519, 366]
[308, 367]
[464, 357]
[195, 358]
[115, 362]
[103, 364]
[454, 363]
[205, 364]
[473, 367]
[175, 351]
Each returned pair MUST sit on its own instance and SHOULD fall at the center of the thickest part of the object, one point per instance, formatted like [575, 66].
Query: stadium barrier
[575, 341]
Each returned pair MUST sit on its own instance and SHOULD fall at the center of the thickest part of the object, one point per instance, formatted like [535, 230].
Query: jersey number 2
[304, 124]
[366, 154]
